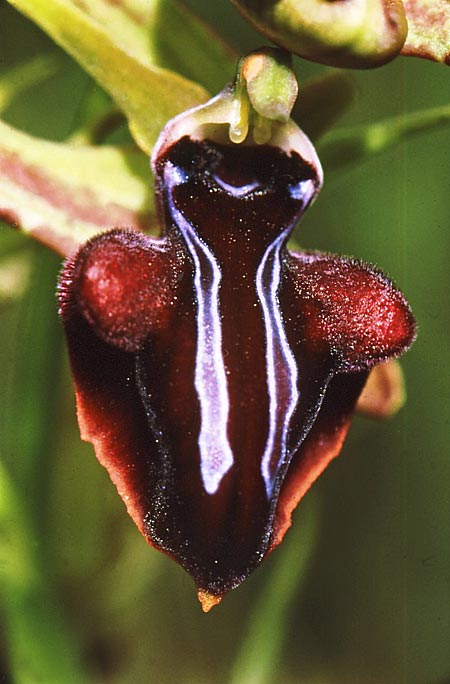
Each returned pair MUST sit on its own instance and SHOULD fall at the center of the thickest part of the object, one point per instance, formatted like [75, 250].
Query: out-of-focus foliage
[134, 83]
[83, 599]
[63, 194]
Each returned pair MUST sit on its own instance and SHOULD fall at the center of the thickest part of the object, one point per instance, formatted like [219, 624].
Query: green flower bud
[343, 33]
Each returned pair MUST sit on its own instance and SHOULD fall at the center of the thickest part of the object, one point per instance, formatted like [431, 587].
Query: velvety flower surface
[215, 371]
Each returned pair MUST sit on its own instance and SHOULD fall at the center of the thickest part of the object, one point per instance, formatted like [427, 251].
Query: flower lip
[216, 386]
[216, 372]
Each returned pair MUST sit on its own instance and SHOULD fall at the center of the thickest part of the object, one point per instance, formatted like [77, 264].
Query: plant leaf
[259, 652]
[64, 194]
[164, 33]
[147, 94]
[349, 146]
[39, 642]
[428, 29]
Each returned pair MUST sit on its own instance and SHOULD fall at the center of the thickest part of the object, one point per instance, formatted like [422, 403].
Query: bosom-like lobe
[217, 378]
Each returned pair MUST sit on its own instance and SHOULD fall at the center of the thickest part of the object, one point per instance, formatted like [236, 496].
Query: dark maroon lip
[216, 372]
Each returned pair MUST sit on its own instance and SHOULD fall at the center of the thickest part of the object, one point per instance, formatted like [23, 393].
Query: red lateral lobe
[124, 284]
[351, 309]
[209, 364]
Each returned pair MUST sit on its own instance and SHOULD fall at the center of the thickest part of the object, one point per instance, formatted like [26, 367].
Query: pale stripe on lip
[216, 456]
[281, 367]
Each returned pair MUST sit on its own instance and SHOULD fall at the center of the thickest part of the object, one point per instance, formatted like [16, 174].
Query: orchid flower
[216, 371]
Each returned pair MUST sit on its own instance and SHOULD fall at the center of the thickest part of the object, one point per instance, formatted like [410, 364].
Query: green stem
[351, 146]
[40, 646]
[38, 356]
[260, 651]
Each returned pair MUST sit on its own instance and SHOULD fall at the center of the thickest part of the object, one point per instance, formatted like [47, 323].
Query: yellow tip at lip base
[208, 600]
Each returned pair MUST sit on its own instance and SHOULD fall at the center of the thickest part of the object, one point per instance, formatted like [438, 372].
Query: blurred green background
[359, 592]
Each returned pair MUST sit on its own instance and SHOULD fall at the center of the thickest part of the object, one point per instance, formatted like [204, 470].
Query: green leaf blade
[147, 94]
[64, 194]
[260, 651]
[38, 641]
[167, 34]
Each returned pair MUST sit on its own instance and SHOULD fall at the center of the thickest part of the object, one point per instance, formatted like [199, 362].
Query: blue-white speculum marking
[216, 454]
[210, 379]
